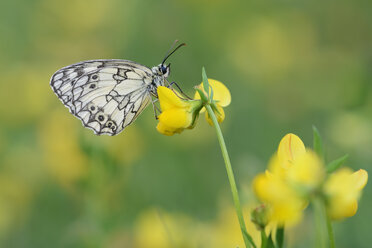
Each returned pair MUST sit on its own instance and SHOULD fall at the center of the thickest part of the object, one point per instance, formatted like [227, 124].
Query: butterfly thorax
[160, 74]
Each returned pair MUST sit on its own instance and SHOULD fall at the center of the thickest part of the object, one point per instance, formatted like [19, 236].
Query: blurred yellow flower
[307, 171]
[342, 190]
[284, 204]
[61, 152]
[29, 87]
[225, 231]
[158, 229]
[15, 197]
[177, 114]
[293, 173]
[221, 98]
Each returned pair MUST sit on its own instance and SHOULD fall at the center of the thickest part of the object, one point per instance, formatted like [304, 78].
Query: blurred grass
[288, 64]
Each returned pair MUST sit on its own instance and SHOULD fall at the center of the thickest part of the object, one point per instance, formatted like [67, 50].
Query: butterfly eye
[164, 69]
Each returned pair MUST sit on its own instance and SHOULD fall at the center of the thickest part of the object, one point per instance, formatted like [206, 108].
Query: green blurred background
[288, 64]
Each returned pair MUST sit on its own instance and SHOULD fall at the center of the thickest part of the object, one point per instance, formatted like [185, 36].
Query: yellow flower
[342, 190]
[283, 202]
[177, 114]
[225, 231]
[297, 166]
[293, 174]
[221, 98]
[156, 228]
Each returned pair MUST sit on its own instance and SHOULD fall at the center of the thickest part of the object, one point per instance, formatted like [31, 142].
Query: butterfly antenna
[171, 48]
[170, 53]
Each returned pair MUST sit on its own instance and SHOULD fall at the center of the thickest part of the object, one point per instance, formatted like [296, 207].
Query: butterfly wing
[106, 95]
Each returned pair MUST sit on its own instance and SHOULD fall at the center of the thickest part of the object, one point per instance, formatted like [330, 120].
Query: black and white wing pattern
[106, 95]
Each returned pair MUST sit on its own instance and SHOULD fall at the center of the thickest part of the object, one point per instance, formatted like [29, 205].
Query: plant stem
[280, 237]
[263, 239]
[231, 177]
[320, 217]
[330, 233]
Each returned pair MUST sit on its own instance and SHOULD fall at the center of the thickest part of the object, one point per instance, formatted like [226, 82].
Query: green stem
[330, 233]
[246, 237]
[280, 237]
[320, 217]
[263, 239]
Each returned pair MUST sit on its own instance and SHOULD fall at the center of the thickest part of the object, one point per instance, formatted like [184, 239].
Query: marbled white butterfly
[108, 95]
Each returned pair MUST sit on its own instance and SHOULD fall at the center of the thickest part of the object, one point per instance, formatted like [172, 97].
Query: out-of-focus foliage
[288, 65]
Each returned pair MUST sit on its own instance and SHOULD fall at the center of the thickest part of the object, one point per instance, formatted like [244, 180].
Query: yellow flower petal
[361, 178]
[348, 210]
[164, 129]
[260, 188]
[307, 171]
[290, 147]
[342, 190]
[168, 99]
[176, 118]
[271, 189]
[287, 213]
[221, 93]
[276, 167]
[285, 205]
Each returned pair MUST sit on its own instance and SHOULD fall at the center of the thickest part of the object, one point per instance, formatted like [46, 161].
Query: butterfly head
[161, 70]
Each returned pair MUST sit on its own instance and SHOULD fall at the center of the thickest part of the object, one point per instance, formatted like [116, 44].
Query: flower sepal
[219, 97]
[195, 109]
[203, 96]
[207, 89]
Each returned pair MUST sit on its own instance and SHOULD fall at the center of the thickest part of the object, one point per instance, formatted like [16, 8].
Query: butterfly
[108, 95]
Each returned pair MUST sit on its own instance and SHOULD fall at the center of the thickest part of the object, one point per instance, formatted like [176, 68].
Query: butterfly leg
[156, 109]
[181, 91]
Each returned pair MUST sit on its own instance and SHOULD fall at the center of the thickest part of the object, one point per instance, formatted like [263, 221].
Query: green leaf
[249, 238]
[214, 107]
[335, 164]
[318, 143]
[270, 243]
[205, 82]
[279, 237]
